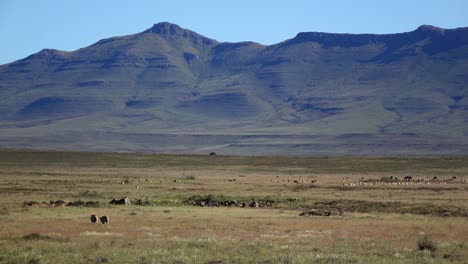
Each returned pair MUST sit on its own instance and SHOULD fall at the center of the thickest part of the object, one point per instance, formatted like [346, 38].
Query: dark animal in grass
[104, 220]
[254, 204]
[321, 212]
[213, 154]
[125, 201]
[94, 219]
[407, 178]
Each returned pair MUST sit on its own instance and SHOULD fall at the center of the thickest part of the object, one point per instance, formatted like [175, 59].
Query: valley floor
[257, 143]
[375, 216]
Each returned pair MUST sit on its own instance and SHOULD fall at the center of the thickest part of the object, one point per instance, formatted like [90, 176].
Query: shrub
[89, 194]
[34, 261]
[425, 243]
[4, 211]
[126, 180]
[35, 236]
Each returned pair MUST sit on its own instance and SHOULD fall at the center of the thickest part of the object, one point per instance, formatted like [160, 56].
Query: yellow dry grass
[171, 231]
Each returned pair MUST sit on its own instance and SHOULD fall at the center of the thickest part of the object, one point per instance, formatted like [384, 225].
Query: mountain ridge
[170, 29]
[173, 81]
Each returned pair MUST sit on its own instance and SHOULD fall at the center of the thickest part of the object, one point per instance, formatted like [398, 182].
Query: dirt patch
[59, 203]
[390, 207]
[412, 188]
[215, 201]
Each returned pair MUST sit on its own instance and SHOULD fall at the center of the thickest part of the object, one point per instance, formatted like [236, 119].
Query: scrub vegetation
[188, 209]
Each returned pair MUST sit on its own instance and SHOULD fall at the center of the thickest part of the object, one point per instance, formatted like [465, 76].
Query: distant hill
[169, 89]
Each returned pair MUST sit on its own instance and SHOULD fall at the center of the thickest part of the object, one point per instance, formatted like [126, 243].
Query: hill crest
[390, 93]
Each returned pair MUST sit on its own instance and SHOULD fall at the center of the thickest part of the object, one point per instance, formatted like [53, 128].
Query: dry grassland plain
[374, 216]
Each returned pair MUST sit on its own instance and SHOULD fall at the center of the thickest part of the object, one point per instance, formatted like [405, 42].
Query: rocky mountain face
[169, 89]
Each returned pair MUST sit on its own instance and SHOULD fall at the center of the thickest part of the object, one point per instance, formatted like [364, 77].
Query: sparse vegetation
[426, 243]
[58, 203]
[4, 211]
[190, 177]
[444, 210]
[244, 97]
[89, 194]
[367, 224]
[35, 236]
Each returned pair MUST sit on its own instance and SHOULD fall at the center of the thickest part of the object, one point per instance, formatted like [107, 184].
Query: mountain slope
[317, 93]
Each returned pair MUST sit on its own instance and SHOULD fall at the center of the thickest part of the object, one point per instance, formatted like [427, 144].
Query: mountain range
[169, 89]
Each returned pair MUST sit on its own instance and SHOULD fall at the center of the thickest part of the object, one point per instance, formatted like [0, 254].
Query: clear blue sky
[27, 27]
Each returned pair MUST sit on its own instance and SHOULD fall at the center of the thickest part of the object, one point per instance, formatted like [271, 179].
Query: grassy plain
[380, 223]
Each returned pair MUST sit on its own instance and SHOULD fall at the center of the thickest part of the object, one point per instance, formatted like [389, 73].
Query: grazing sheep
[104, 220]
[408, 178]
[94, 218]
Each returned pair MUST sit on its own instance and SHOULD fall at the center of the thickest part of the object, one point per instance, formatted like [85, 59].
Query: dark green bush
[425, 243]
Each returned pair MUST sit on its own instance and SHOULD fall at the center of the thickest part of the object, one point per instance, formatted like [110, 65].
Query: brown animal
[104, 220]
[94, 219]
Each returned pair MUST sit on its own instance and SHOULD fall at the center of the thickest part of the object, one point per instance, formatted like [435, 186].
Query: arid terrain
[231, 209]
[171, 90]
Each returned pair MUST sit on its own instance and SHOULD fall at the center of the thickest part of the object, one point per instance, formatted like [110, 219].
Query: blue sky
[27, 27]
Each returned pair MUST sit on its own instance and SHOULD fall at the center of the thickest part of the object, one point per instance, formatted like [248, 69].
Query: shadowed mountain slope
[169, 89]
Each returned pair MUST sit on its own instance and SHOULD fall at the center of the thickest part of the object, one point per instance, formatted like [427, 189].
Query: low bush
[35, 236]
[426, 243]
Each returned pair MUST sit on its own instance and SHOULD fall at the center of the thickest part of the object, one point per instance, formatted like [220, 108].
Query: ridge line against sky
[27, 27]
